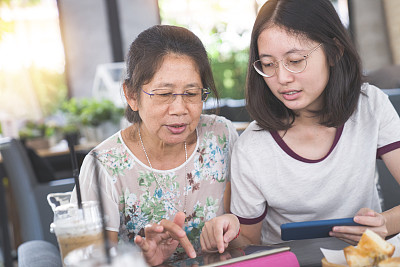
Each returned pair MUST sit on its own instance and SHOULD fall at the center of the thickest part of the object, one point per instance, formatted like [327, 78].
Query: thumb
[141, 243]
[179, 219]
[230, 234]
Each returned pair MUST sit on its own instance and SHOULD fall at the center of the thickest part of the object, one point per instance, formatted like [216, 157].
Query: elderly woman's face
[175, 122]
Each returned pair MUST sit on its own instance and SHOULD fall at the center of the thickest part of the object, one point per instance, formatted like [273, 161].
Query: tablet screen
[228, 257]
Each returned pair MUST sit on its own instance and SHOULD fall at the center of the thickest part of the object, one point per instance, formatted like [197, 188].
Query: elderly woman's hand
[162, 239]
[218, 232]
[368, 219]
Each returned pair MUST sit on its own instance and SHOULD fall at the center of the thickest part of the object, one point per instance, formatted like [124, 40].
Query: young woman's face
[302, 91]
[170, 123]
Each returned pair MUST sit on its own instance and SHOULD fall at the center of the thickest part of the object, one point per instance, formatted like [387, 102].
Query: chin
[173, 140]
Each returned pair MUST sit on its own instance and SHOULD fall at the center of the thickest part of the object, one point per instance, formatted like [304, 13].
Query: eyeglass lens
[196, 95]
[293, 63]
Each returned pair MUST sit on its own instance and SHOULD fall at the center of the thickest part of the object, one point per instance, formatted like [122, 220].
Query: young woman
[311, 152]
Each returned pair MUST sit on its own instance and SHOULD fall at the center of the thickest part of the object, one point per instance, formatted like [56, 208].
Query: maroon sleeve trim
[253, 220]
[387, 148]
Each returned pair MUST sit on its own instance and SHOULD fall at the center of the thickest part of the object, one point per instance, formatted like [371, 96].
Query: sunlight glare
[35, 40]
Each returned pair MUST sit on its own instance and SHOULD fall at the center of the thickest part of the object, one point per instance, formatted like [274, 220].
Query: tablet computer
[312, 229]
[228, 257]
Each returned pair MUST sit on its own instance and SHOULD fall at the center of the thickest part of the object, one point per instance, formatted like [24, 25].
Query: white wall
[85, 33]
[370, 33]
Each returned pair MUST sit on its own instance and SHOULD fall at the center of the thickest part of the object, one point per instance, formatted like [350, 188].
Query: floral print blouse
[132, 197]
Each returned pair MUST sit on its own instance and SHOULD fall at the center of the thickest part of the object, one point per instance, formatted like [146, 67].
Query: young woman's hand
[368, 219]
[218, 232]
[162, 239]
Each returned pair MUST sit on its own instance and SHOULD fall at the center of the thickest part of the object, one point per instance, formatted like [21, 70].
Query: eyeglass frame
[284, 65]
[204, 95]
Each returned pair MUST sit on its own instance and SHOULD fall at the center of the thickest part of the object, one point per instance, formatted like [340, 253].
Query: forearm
[112, 237]
[392, 217]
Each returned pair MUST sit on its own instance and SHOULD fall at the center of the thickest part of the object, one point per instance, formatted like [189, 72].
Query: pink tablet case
[282, 259]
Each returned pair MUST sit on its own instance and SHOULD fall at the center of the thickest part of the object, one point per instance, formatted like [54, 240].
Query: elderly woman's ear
[131, 98]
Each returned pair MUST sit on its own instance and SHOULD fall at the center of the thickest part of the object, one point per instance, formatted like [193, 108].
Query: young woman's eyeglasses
[295, 63]
[166, 96]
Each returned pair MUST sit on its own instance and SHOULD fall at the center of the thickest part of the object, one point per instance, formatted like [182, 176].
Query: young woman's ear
[131, 99]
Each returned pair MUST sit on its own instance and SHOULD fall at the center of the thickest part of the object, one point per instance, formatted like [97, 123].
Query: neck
[161, 155]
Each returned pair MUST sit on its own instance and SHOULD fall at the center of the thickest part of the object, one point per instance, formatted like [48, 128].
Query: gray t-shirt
[271, 183]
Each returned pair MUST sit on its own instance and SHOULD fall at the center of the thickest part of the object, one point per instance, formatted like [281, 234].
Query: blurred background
[54, 55]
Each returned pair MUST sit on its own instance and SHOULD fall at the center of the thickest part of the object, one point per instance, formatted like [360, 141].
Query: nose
[178, 106]
[284, 76]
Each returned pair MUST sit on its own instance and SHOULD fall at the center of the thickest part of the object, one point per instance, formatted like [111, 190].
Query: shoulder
[253, 137]
[372, 99]
[111, 141]
[212, 122]
[112, 145]
[372, 94]
[253, 130]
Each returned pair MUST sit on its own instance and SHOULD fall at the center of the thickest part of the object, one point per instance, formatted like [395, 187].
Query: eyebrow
[291, 51]
[172, 86]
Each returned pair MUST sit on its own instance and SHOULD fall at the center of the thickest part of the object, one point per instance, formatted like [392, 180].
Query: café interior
[79, 101]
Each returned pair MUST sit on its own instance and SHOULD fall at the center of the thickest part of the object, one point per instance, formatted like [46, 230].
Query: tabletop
[308, 251]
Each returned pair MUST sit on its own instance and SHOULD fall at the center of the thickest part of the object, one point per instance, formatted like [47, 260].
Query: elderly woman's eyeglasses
[166, 96]
[295, 63]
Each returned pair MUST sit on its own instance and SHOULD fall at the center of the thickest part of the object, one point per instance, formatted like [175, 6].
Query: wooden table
[48, 152]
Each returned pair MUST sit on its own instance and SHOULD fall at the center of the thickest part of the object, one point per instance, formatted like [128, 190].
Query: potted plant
[37, 135]
[98, 119]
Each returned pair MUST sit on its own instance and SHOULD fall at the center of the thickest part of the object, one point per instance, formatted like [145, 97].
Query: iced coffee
[77, 228]
[123, 254]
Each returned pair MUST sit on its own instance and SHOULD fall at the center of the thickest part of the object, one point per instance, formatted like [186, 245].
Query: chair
[38, 253]
[390, 189]
[35, 214]
[394, 97]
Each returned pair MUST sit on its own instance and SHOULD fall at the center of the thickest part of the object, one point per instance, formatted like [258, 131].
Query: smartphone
[229, 256]
[312, 229]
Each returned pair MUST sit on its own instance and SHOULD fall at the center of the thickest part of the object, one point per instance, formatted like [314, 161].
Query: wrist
[237, 235]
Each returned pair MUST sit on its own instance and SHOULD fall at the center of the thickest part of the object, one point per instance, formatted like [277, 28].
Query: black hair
[316, 20]
[146, 55]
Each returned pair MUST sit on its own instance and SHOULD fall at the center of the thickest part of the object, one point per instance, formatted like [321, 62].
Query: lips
[176, 128]
[291, 94]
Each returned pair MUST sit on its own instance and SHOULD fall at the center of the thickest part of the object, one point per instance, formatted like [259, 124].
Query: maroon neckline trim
[291, 153]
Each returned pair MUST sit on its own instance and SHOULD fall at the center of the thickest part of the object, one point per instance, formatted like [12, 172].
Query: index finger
[370, 220]
[365, 212]
[219, 237]
[179, 234]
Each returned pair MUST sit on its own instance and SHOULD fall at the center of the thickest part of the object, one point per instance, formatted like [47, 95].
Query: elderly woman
[170, 168]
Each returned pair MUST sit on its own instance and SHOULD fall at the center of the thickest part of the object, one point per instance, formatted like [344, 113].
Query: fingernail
[193, 254]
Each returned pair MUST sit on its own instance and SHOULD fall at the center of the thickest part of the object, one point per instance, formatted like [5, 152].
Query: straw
[75, 171]
[101, 207]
